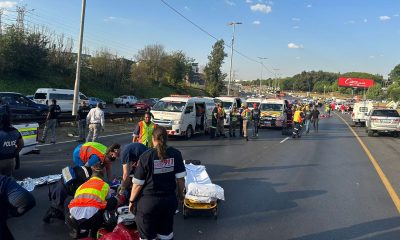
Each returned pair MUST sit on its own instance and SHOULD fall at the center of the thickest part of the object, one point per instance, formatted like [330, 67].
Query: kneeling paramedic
[91, 153]
[71, 179]
[92, 198]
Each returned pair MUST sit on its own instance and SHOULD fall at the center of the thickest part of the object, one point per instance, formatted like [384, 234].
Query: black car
[21, 106]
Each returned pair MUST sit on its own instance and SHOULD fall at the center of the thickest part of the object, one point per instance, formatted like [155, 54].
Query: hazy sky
[295, 35]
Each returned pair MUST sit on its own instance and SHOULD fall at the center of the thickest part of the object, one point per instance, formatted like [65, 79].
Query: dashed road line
[285, 139]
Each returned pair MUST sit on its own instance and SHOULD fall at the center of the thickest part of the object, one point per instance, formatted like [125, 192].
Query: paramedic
[130, 154]
[90, 153]
[153, 197]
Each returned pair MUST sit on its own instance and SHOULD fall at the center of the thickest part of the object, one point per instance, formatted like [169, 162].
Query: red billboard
[355, 82]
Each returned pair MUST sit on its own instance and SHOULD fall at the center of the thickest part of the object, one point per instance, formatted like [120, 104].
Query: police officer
[51, 122]
[11, 142]
[71, 179]
[153, 198]
[83, 111]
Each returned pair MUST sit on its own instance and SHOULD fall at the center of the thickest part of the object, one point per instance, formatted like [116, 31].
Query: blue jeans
[307, 124]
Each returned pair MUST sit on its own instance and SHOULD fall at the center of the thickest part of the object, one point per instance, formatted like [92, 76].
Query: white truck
[360, 110]
[29, 132]
[184, 115]
[125, 100]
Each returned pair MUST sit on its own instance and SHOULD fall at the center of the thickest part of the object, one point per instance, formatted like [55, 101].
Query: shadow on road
[379, 229]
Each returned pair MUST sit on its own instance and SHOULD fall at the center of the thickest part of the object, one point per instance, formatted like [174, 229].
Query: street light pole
[78, 62]
[276, 79]
[262, 65]
[233, 40]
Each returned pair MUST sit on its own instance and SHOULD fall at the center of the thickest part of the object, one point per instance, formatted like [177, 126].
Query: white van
[360, 110]
[228, 103]
[250, 102]
[184, 115]
[64, 97]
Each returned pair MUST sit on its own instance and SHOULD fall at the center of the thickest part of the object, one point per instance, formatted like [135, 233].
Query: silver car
[383, 120]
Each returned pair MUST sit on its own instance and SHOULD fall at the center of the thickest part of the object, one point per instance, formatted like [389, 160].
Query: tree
[395, 74]
[213, 75]
[151, 56]
[394, 91]
[175, 66]
[375, 92]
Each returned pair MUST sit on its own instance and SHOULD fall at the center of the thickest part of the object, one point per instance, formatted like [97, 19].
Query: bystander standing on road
[246, 116]
[83, 111]
[11, 142]
[256, 113]
[307, 118]
[95, 120]
[233, 121]
[144, 130]
[221, 115]
[241, 109]
[342, 108]
[51, 122]
[214, 121]
[315, 118]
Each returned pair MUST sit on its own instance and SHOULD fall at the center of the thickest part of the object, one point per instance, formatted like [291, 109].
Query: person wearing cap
[256, 113]
[71, 179]
[90, 153]
[11, 142]
[95, 120]
[130, 154]
[92, 198]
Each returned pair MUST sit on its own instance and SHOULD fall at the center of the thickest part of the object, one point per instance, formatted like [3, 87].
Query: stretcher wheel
[215, 213]
[184, 212]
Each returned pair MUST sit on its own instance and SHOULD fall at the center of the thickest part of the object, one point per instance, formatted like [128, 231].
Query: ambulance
[228, 103]
[184, 115]
[273, 113]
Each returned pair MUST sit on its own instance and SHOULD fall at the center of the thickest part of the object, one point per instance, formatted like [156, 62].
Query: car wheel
[127, 105]
[189, 132]
[370, 133]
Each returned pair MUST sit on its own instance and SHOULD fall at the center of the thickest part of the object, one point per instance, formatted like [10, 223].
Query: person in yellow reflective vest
[246, 116]
[84, 215]
[297, 120]
[144, 131]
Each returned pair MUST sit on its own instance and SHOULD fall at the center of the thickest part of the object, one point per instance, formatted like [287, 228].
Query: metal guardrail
[70, 118]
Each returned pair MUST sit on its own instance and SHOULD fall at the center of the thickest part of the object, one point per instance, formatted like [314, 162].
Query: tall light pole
[233, 40]
[276, 80]
[78, 62]
[262, 65]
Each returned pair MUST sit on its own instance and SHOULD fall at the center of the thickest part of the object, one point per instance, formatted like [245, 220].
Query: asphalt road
[322, 186]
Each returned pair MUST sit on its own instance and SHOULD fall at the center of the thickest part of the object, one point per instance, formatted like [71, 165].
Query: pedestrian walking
[83, 111]
[221, 115]
[256, 113]
[11, 143]
[95, 120]
[246, 116]
[158, 181]
[233, 121]
[143, 131]
[315, 118]
[51, 122]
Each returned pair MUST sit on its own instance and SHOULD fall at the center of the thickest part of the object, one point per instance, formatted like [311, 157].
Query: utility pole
[233, 40]
[276, 79]
[78, 62]
[262, 65]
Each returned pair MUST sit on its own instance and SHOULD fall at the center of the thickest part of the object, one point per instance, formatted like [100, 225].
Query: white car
[127, 101]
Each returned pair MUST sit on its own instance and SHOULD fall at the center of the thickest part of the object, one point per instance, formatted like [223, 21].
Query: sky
[291, 35]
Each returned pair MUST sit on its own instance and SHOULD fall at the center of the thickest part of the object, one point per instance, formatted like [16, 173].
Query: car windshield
[385, 113]
[40, 96]
[169, 106]
[271, 107]
[250, 104]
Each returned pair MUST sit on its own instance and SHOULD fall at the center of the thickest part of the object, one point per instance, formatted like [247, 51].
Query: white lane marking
[284, 139]
[111, 135]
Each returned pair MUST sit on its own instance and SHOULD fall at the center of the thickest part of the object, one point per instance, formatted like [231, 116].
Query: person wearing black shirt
[11, 142]
[256, 119]
[81, 119]
[51, 122]
[153, 197]
[15, 201]
[130, 154]
[315, 118]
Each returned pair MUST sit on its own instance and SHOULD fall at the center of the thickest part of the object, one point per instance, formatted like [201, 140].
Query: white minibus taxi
[184, 115]
[64, 97]
[228, 103]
